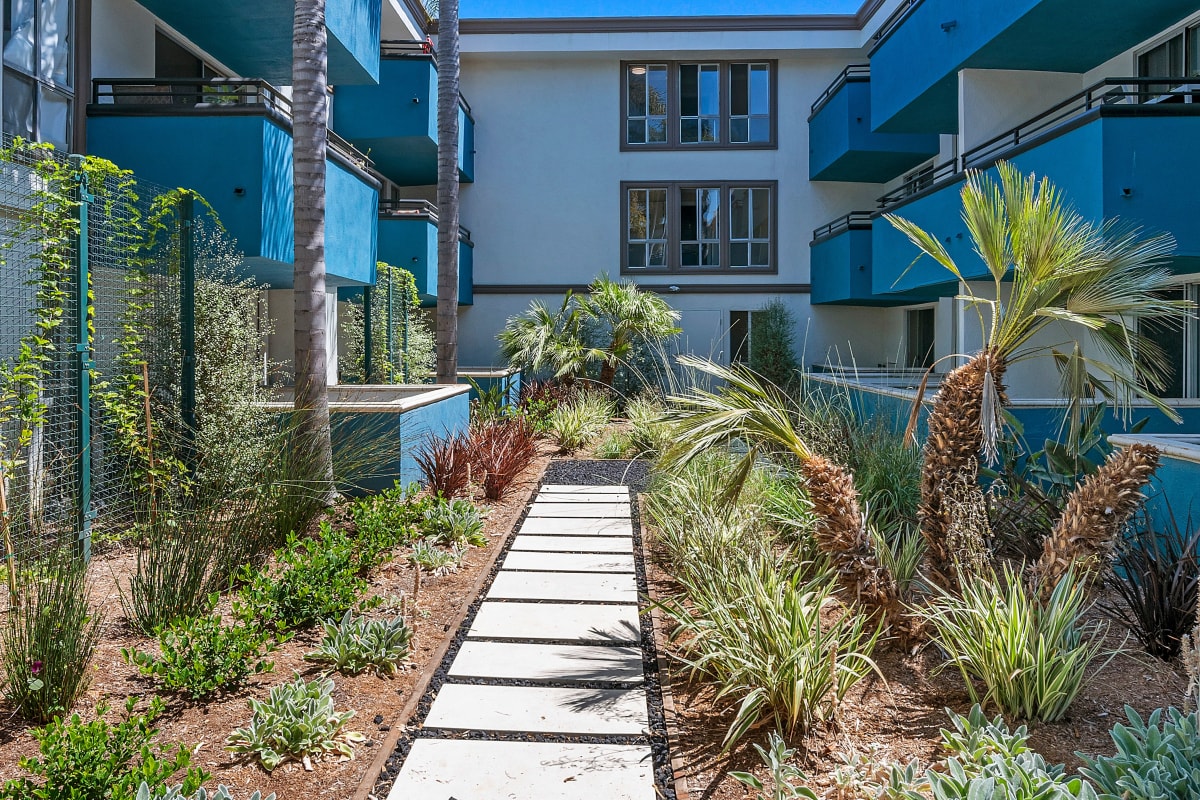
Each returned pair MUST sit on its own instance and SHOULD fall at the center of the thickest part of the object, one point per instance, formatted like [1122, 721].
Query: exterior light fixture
[637, 70]
[673, 288]
[949, 25]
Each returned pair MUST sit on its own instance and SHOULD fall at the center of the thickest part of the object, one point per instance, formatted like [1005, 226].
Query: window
[1172, 337]
[1177, 57]
[699, 226]
[173, 60]
[919, 350]
[38, 91]
[709, 104]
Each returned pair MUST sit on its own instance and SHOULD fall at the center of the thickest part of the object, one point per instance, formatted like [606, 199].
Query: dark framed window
[739, 337]
[39, 95]
[699, 226]
[920, 323]
[698, 105]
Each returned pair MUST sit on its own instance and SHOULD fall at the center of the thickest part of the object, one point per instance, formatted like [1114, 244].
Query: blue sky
[642, 8]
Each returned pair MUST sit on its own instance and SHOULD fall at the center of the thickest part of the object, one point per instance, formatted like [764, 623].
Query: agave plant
[1047, 265]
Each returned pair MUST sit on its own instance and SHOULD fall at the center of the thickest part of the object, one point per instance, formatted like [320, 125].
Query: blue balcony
[1116, 150]
[841, 145]
[231, 141]
[255, 38]
[408, 239]
[918, 52]
[396, 121]
[840, 258]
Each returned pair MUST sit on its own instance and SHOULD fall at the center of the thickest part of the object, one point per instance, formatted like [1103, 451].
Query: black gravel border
[578, 472]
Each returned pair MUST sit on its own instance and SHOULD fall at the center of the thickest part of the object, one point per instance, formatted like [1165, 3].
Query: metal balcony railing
[854, 221]
[204, 97]
[418, 209]
[854, 72]
[894, 21]
[416, 48]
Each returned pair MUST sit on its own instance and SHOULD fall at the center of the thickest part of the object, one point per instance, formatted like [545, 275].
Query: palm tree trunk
[447, 192]
[952, 450]
[309, 138]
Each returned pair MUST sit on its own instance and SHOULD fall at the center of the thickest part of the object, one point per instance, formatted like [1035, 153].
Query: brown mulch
[900, 720]
[376, 701]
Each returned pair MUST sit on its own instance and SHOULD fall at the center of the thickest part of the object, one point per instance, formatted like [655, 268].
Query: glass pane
[739, 89]
[637, 214]
[637, 131]
[687, 215]
[710, 89]
[689, 255]
[54, 118]
[657, 224]
[19, 34]
[657, 128]
[55, 34]
[658, 255]
[739, 130]
[656, 90]
[739, 336]
[689, 130]
[710, 255]
[760, 129]
[739, 252]
[760, 254]
[689, 102]
[710, 130]
[739, 214]
[637, 90]
[762, 213]
[710, 213]
[637, 255]
[1193, 51]
[760, 89]
[18, 106]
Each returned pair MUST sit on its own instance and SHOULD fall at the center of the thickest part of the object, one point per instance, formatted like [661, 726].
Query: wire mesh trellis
[385, 326]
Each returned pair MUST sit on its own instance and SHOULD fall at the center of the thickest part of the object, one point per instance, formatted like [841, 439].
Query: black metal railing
[854, 221]
[416, 209]
[204, 97]
[894, 21]
[406, 48]
[1111, 95]
[854, 72]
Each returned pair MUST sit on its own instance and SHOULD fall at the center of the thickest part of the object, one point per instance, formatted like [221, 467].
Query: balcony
[841, 145]
[396, 121]
[231, 141]
[255, 38]
[918, 52]
[1116, 150]
[408, 239]
[840, 258]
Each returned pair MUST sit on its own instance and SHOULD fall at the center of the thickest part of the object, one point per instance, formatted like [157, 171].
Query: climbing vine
[403, 354]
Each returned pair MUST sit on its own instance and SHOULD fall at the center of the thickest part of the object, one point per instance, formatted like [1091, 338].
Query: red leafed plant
[500, 450]
[446, 463]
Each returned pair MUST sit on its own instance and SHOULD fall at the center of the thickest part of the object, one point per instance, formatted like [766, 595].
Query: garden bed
[376, 701]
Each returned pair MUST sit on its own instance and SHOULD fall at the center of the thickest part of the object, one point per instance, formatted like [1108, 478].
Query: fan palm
[748, 409]
[626, 316]
[541, 339]
[1047, 265]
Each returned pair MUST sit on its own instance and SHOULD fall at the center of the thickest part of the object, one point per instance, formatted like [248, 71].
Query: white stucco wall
[281, 344]
[992, 101]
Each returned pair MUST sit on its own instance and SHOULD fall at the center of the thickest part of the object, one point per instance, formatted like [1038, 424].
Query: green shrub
[435, 560]
[201, 656]
[772, 343]
[387, 519]
[755, 626]
[1156, 759]
[1031, 657]
[48, 640]
[315, 579]
[784, 775]
[649, 431]
[297, 721]
[988, 762]
[576, 423]
[356, 644]
[616, 445]
[177, 793]
[94, 760]
[454, 522]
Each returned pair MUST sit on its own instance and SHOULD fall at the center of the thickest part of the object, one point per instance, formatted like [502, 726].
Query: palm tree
[1047, 264]
[626, 317]
[750, 410]
[540, 339]
[447, 192]
[309, 138]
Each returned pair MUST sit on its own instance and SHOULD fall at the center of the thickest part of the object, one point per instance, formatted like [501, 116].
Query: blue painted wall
[842, 146]
[511, 385]
[255, 38]
[915, 69]
[411, 243]
[1175, 488]
[1092, 164]
[841, 268]
[218, 155]
[396, 122]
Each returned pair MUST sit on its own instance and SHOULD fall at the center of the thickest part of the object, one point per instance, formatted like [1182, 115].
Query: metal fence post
[368, 340]
[391, 332]
[187, 315]
[85, 362]
[404, 349]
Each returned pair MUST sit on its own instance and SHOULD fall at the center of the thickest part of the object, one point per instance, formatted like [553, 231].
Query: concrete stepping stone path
[551, 674]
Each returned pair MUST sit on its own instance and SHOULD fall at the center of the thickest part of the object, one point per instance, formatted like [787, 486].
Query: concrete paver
[573, 544]
[570, 488]
[556, 622]
[581, 510]
[558, 526]
[578, 586]
[548, 663]
[580, 497]
[568, 562]
[539, 709]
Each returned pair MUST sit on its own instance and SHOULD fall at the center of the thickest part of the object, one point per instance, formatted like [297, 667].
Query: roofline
[774, 22]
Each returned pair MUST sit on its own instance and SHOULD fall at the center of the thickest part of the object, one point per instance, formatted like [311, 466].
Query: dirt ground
[898, 719]
[376, 701]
